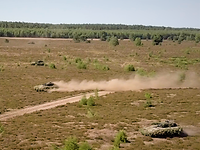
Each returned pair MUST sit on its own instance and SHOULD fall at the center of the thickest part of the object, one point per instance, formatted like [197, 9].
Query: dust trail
[162, 80]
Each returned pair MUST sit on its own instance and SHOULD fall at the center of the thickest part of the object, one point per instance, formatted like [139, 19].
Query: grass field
[122, 110]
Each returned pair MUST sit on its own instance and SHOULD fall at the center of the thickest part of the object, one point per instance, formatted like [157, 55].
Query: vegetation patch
[129, 68]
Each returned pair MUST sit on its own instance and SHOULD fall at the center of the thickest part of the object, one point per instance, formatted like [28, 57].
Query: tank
[162, 129]
[38, 63]
[46, 86]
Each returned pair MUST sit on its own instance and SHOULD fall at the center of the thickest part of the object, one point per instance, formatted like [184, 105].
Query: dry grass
[114, 112]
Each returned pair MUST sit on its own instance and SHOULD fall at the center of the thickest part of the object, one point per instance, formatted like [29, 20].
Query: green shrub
[148, 95]
[101, 67]
[83, 100]
[114, 41]
[52, 66]
[31, 42]
[1, 128]
[141, 72]
[182, 77]
[115, 148]
[77, 60]
[85, 146]
[87, 41]
[2, 68]
[138, 42]
[129, 68]
[7, 41]
[71, 144]
[64, 58]
[157, 39]
[148, 104]
[90, 113]
[120, 137]
[90, 101]
[96, 94]
[81, 65]
[105, 68]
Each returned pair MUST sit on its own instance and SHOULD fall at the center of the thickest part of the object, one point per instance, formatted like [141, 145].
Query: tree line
[96, 31]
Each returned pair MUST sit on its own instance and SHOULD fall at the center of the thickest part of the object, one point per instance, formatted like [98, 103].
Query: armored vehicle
[162, 129]
[45, 87]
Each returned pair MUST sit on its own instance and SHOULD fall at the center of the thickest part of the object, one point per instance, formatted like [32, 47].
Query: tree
[157, 39]
[114, 41]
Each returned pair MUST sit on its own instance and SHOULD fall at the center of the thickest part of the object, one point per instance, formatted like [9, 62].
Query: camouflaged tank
[45, 87]
[162, 129]
[38, 63]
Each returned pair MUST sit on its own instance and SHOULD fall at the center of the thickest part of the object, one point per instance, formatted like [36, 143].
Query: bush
[141, 72]
[148, 104]
[90, 113]
[83, 101]
[157, 39]
[52, 66]
[120, 137]
[81, 65]
[90, 101]
[77, 60]
[2, 68]
[129, 68]
[148, 95]
[101, 67]
[138, 42]
[7, 41]
[85, 146]
[71, 144]
[87, 41]
[31, 42]
[1, 128]
[114, 41]
[64, 58]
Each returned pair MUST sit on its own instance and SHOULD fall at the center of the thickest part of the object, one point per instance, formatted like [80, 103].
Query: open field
[156, 67]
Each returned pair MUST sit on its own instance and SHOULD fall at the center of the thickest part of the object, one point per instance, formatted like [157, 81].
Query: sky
[169, 13]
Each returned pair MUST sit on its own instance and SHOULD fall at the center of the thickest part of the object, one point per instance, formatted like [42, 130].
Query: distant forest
[96, 31]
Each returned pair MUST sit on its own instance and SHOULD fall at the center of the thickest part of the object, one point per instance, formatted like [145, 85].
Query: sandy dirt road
[48, 105]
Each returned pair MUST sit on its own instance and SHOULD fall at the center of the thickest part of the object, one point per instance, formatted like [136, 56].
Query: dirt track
[44, 106]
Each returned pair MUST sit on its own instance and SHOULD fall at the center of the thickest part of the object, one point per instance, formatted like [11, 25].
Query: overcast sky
[173, 13]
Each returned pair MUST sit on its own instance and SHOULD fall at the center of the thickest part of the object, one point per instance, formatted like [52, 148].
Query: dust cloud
[161, 80]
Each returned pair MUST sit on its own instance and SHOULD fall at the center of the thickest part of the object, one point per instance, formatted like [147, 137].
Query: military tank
[162, 129]
[38, 63]
[45, 87]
